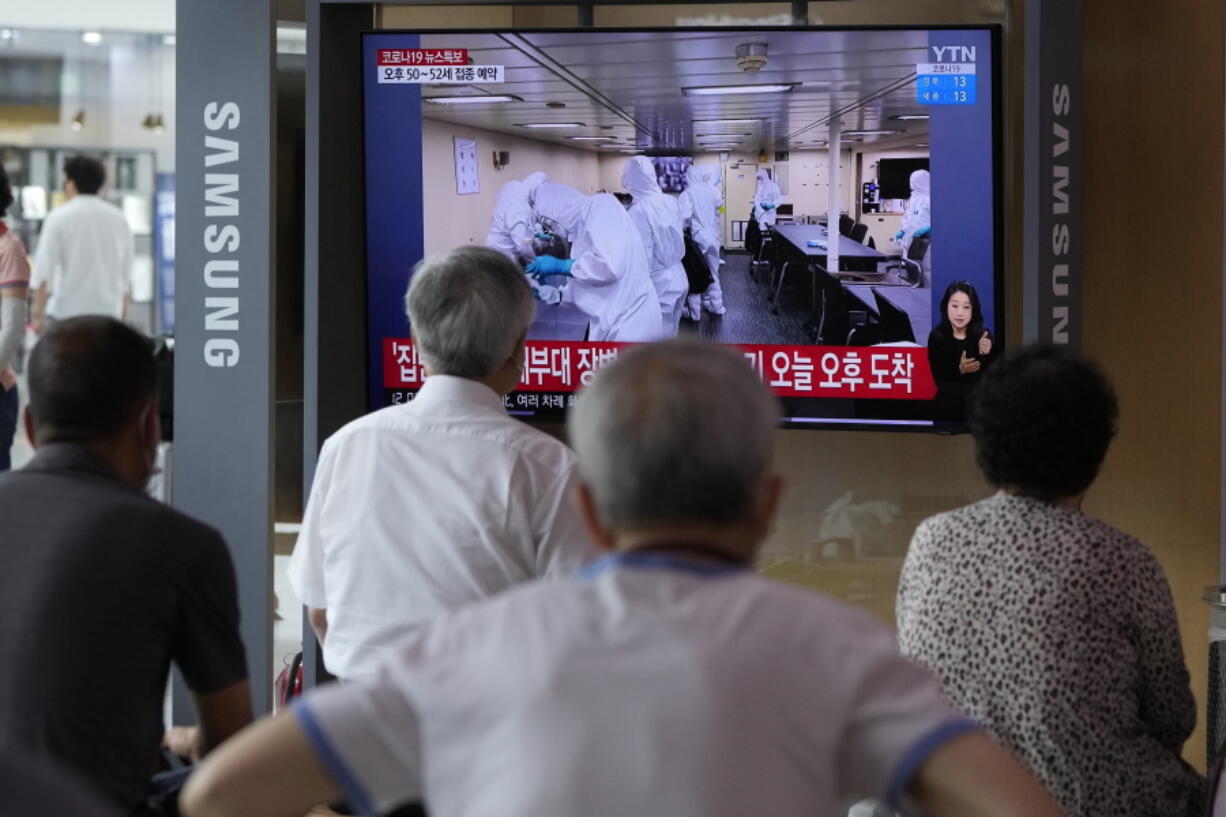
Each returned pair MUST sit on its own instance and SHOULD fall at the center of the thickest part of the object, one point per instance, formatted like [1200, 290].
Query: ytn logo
[953, 53]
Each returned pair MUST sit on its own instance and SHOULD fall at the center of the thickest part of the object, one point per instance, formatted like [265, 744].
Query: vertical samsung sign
[1053, 171]
[224, 314]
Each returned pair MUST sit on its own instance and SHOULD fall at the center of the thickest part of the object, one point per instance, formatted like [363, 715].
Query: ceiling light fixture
[542, 125]
[727, 121]
[909, 117]
[8, 34]
[91, 37]
[870, 132]
[723, 90]
[470, 99]
[720, 135]
[591, 138]
[555, 104]
[169, 39]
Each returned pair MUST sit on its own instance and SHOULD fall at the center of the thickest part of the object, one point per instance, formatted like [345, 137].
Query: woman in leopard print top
[1054, 630]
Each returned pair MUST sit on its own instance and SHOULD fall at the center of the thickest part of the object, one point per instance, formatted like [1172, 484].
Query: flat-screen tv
[861, 339]
[894, 177]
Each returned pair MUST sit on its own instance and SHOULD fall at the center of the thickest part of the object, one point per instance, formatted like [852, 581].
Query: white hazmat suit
[658, 220]
[512, 228]
[919, 208]
[610, 282]
[767, 193]
[700, 203]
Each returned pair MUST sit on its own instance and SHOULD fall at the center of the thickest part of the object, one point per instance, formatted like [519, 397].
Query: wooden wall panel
[1153, 181]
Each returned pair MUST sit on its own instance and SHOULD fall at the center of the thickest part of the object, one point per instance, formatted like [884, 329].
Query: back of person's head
[674, 433]
[469, 309]
[1043, 418]
[6, 192]
[89, 378]
[86, 173]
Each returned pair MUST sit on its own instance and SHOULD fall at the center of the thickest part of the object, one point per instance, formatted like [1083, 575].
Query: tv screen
[894, 177]
[861, 338]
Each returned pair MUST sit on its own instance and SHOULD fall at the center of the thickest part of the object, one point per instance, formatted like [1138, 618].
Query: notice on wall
[466, 181]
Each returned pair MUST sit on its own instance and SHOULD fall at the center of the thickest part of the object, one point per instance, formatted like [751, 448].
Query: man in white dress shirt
[84, 260]
[668, 679]
[420, 508]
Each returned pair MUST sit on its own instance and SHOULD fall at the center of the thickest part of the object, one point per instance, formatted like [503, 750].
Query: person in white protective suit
[512, 228]
[700, 203]
[658, 220]
[917, 219]
[606, 275]
[765, 200]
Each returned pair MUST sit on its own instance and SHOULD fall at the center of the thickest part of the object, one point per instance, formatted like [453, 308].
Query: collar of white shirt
[445, 388]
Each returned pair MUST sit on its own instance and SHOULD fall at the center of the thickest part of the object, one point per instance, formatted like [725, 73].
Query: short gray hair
[468, 307]
[674, 432]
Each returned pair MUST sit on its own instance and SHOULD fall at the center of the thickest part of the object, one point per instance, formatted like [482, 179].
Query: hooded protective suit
[700, 203]
[511, 227]
[658, 220]
[765, 199]
[919, 208]
[609, 282]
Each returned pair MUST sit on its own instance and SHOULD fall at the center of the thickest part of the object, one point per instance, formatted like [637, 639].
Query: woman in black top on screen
[959, 348]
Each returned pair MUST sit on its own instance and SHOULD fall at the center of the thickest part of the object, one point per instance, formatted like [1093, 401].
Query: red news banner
[883, 372]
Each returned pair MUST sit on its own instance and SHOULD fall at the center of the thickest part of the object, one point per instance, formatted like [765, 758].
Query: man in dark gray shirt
[102, 587]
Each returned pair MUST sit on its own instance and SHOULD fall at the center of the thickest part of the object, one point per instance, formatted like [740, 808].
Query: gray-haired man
[420, 508]
[667, 679]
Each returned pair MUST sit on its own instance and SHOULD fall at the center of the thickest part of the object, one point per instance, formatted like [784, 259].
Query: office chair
[858, 232]
[895, 323]
[846, 222]
[910, 268]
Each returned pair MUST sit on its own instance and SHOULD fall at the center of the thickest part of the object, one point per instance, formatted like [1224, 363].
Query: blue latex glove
[768, 207]
[898, 235]
[544, 236]
[921, 231]
[548, 265]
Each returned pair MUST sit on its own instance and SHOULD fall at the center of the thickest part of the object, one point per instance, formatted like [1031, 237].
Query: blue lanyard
[661, 561]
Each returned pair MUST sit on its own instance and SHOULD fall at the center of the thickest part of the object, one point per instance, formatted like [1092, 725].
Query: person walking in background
[917, 219]
[83, 265]
[1053, 629]
[700, 204]
[765, 199]
[14, 293]
[658, 221]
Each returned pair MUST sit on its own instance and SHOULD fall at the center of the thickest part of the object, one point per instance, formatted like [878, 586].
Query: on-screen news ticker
[561, 366]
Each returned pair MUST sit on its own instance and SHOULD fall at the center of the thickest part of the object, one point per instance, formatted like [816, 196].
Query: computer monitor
[452, 116]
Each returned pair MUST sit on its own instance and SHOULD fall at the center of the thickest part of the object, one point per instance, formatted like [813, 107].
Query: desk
[917, 303]
[798, 236]
[794, 240]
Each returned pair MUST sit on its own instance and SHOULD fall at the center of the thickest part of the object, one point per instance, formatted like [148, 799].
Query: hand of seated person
[184, 741]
